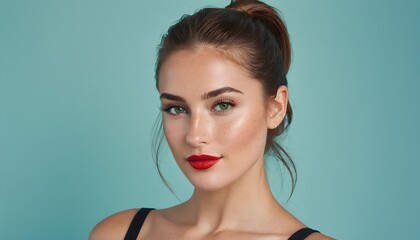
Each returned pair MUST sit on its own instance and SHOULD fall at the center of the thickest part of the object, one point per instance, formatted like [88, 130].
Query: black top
[138, 220]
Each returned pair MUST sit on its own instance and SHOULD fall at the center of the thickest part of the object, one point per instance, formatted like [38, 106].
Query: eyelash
[169, 107]
[231, 103]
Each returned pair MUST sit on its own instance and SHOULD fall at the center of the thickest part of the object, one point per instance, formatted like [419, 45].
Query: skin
[232, 199]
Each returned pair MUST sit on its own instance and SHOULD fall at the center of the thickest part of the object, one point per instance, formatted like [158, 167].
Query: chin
[208, 187]
[209, 182]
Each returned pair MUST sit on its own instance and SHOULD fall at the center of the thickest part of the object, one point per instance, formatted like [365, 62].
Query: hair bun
[272, 20]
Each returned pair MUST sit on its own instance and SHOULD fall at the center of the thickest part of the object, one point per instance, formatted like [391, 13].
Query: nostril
[196, 137]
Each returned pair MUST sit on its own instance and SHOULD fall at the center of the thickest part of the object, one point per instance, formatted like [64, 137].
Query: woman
[221, 75]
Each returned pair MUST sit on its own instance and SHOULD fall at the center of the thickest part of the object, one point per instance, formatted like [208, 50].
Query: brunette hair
[249, 33]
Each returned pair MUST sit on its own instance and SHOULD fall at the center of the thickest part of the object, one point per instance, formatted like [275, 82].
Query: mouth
[202, 161]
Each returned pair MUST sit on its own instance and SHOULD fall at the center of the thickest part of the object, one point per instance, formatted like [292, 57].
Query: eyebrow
[208, 95]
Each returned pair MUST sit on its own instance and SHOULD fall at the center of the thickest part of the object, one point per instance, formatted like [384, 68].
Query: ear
[277, 107]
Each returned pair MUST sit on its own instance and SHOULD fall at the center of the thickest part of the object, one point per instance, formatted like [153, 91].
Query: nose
[199, 130]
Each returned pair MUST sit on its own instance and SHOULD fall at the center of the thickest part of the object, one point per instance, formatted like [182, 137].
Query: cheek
[245, 131]
[173, 134]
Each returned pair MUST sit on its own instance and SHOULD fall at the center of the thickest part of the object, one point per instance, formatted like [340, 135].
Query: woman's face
[212, 107]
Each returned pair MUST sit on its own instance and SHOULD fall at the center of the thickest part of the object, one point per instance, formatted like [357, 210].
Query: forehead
[202, 69]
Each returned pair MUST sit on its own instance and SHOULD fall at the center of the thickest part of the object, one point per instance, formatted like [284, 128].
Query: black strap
[302, 234]
[137, 223]
[138, 220]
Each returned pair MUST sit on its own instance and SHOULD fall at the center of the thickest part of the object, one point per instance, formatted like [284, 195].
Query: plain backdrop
[78, 102]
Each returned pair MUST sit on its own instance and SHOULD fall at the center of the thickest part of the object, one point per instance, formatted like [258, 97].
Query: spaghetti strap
[302, 234]
[138, 220]
[137, 223]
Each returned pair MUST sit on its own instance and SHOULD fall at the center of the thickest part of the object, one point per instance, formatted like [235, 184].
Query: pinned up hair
[249, 33]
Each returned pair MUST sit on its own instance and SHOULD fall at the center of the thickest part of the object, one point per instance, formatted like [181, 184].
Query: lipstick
[202, 161]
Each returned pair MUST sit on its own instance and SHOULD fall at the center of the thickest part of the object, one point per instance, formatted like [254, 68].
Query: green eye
[223, 106]
[175, 110]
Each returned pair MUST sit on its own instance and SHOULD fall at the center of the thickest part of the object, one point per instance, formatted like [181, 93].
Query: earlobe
[278, 107]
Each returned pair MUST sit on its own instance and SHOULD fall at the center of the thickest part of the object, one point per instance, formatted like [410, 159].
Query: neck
[245, 202]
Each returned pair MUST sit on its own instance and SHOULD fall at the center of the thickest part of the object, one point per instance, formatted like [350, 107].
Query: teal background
[78, 102]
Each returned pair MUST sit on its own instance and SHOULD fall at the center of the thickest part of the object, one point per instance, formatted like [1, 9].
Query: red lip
[202, 161]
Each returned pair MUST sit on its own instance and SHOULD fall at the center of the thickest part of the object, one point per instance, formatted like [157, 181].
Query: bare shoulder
[318, 236]
[114, 226]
